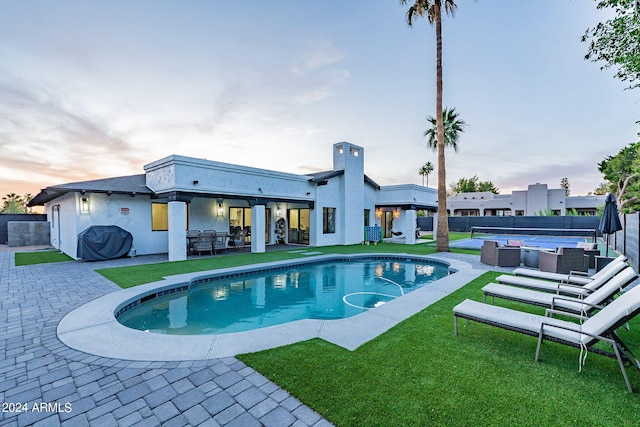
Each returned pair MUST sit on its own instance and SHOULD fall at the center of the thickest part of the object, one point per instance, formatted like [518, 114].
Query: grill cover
[102, 242]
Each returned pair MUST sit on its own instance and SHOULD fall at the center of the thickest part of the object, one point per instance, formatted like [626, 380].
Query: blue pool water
[333, 290]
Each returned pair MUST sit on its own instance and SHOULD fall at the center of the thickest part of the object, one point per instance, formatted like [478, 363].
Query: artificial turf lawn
[40, 257]
[419, 374]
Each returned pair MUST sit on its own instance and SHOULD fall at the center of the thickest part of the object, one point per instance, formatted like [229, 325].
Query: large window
[328, 220]
[159, 217]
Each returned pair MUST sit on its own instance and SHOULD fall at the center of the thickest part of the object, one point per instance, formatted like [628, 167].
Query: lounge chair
[493, 254]
[578, 278]
[601, 327]
[583, 306]
[559, 287]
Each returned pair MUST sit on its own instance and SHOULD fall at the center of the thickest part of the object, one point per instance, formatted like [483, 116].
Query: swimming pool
[333, 289]
[93, 328]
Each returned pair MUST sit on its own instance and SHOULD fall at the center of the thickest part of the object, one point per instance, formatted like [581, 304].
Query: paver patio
[35, 367]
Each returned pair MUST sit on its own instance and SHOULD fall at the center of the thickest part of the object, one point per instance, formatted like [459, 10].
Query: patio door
[387, 223]
[299, 226]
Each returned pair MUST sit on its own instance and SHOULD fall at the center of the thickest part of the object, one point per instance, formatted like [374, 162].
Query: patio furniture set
[213, 241]
[562, 260]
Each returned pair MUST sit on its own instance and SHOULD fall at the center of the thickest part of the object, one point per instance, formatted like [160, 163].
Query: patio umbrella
[610, 222]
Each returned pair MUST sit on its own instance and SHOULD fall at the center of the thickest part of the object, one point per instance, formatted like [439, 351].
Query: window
[328, 220]
[159, 217]
[367, 212]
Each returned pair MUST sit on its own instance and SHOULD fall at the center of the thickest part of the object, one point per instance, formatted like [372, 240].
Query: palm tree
[453, 127]
[432, 9]
[426, 169]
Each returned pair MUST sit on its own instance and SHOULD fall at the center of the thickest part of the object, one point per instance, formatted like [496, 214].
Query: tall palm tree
[453, 127]
[432, 9]
[426, 169]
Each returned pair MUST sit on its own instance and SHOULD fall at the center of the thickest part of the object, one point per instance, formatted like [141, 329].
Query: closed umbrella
[610, 222]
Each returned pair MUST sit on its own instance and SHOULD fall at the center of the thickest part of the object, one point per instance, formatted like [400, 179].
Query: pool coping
[93, 328]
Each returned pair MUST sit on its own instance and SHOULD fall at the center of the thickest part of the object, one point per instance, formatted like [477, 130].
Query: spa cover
[101, 242]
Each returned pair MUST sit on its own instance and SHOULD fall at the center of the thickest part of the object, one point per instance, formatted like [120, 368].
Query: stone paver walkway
[45, 383]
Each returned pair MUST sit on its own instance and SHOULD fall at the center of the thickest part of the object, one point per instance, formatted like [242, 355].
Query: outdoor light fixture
[195, 182]
[84, 204]
[220, 210]
[379, 213]
[278, 212]
[396, 213]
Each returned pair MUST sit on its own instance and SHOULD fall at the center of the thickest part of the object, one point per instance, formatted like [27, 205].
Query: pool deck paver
[54, 385]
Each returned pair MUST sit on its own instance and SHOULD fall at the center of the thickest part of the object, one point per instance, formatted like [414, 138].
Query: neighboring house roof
[132, 184]
[321, 177]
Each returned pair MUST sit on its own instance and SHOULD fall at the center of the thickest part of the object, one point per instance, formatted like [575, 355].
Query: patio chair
[562, 287]
[220, 242]
[577, 277]
[238, 239]
[493, 254]
[192, 236]
[583, 306]
[601, 327]
[591, 250]
[564, 261]
[204, 243]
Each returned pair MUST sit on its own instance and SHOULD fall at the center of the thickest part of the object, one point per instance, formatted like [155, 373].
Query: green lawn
[419, 374]
[40, 257]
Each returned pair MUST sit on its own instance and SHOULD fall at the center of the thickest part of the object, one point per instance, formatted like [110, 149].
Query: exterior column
[435, 225]
[257, 229]
[177, 216]
[410, 225]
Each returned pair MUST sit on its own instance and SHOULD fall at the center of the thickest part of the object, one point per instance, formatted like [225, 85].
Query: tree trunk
[442, 239]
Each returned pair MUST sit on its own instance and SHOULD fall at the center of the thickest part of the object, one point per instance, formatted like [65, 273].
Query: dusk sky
[96, 89]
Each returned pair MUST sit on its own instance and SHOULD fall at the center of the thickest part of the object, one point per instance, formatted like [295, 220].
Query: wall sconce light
[396, 213]
[220, 210]
[379, 213]
[278, 212]
[195, 182]
[84, 204]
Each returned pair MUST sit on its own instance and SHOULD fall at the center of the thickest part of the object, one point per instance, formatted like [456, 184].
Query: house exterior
[179, 193]
[530, 202]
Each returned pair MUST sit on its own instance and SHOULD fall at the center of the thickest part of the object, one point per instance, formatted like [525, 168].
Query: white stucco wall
[129, 213]
[179, 173]
[407, 194]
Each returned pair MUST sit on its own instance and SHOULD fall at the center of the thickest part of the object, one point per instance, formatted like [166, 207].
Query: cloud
[47, 139]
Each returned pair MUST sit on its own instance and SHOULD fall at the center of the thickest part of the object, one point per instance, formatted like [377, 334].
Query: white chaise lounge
[561, 287]
[577, 277]
[583, 306]
[601, 327]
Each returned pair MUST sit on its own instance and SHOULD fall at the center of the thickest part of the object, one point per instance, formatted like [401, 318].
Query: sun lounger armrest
[549, 311]
[574, 285]
[578, 273]
[561, 298]
[577, 329]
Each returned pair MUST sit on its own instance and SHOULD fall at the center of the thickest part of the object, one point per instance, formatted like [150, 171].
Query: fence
[627, 241]
[464, 223]
[5, 218]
